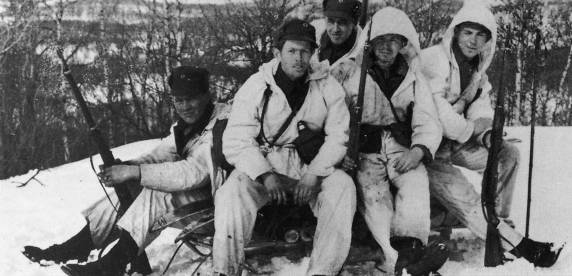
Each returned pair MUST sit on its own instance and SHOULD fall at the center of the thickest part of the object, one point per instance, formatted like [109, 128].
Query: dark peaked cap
[348, 9]
[189, 81]
[295, 29]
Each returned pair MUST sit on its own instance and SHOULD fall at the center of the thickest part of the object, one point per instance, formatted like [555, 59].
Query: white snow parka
[165, 170]
[442, 71]
[324, 108]
[413, 89]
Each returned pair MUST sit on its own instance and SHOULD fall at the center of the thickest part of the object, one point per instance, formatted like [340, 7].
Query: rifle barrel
[103, 147]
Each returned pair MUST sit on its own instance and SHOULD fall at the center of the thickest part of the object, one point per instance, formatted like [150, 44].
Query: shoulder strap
[388, 99]
[477, 95]
[284, 126]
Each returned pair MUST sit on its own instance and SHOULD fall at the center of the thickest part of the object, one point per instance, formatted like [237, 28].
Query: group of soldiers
[425, 113]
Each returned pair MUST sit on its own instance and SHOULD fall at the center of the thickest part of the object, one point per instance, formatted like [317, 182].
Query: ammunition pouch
[308, 142]
[370, 138]
[401, 132]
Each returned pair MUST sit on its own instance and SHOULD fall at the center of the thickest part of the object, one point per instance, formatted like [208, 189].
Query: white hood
[391, 21]
[477, 13]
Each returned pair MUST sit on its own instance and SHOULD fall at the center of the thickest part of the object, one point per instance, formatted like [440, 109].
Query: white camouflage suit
[166, 179]
[239, 199]
[461, 148]
[407, 215]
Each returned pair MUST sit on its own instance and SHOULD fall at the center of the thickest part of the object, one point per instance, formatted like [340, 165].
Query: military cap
[295, 29]
[347, 9]
[189, 81]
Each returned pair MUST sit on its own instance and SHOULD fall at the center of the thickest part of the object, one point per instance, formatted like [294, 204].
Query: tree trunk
[518, 86]
[61, 92]
[565, 72]
[102, 55]
[180, 34]
[2, 131]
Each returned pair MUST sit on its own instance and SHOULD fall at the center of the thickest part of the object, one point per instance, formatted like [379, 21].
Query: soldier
[339, 38]
[400, 129]
[276, 106]
[456, 69]
[177, 170]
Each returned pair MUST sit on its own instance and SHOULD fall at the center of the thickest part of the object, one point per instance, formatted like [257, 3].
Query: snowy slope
[44, 214]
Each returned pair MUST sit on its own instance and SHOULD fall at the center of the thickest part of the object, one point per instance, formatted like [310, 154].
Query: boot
[140, 265]
[434, 257]
[112, 264]
[77, 247]
[538, 253]
[409, 251]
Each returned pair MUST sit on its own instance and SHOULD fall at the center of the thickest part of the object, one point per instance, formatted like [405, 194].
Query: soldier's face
[386, 48]
[190, 109]
[295, 57]
[339, 29]
[471, 41]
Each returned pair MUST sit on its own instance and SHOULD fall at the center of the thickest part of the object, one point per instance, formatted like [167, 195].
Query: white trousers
[239, 199]
[458, 195]
[405, 215]
[138, 218]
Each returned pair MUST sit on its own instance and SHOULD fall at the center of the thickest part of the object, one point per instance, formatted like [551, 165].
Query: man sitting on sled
[278, 118]
[179, 170]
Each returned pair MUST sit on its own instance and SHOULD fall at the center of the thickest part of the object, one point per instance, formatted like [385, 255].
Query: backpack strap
[284, 126]
[218, 157]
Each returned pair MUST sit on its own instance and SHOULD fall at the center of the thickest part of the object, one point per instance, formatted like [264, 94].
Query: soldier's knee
[344, 181]
[231, 189]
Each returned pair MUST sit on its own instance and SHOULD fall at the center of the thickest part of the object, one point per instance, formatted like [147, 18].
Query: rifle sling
[284, 126]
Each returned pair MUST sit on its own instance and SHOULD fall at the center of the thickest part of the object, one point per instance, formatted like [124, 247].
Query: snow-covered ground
[47, 213]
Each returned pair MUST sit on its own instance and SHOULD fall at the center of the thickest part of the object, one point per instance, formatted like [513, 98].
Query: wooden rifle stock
[356, 109]
[493, 249]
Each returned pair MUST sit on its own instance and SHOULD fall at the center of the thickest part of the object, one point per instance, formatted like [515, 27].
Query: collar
[285, 83]
[326, 43]
[199, 125]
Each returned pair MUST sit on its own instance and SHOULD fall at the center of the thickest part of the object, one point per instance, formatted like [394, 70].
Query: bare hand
[348, 164]
[275, 188]
[409, 160]
[481, 125]
[118, 174]
[307, 189]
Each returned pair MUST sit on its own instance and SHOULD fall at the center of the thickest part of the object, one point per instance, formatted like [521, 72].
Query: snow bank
[47, 213]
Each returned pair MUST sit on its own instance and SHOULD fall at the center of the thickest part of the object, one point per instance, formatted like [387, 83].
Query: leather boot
[112, 264]
[77, 247]
[538, 253]
[434, 257]
[409, 251]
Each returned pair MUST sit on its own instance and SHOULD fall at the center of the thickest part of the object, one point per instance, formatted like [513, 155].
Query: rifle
[363, 15]
[356, 108]
[122, 191]
[493, 249]
[532, 128]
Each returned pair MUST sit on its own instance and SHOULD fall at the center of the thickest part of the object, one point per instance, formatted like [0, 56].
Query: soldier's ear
[276, 52]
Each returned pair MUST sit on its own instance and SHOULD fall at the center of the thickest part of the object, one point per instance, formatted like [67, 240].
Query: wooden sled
[282, 230]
